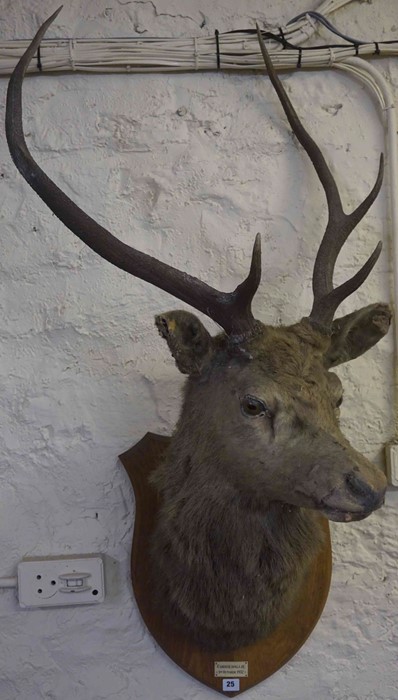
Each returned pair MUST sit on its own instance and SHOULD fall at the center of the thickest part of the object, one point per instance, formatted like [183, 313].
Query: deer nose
[363, 493]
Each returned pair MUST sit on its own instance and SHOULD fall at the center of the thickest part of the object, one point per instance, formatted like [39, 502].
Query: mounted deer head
[257, 454]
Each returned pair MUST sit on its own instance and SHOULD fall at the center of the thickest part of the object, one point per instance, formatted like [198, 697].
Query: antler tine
[339, 226]
[232, 311]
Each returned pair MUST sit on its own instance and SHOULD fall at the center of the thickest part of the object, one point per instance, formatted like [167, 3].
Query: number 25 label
[230, 684]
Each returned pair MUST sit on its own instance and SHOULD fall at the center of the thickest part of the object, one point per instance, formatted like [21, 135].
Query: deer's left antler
[339, 226]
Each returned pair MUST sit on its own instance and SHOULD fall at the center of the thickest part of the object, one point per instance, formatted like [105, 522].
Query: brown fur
[238, 524]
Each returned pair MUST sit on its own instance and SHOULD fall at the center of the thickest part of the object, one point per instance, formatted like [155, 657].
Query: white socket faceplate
[53, 581]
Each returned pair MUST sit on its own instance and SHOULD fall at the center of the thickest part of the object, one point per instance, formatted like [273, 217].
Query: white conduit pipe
[8, 582]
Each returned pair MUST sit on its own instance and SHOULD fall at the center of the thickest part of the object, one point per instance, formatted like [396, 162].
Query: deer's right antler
[339, 226]
[231, 310]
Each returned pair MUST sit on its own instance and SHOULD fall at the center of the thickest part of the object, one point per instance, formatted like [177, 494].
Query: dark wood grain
[265, 656]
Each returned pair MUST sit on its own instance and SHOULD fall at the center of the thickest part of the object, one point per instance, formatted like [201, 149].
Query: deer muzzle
[366, 501]
[361, 491]
[340, 482]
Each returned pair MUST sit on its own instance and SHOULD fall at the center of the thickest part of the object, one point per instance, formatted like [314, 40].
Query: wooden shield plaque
[248, 665]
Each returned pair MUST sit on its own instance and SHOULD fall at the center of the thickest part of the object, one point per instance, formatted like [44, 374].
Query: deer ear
[354, 334]
[190, 343]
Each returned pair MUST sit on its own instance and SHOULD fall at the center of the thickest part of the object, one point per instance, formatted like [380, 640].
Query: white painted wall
[84, 373]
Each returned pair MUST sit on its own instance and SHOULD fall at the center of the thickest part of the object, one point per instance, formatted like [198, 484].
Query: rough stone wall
[187, 168]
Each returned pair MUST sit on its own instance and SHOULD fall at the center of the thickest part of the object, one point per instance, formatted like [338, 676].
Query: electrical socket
[64, 580]
[392, 463]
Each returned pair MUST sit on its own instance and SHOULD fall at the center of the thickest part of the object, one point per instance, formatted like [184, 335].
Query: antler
[339, 226]
[231, 310]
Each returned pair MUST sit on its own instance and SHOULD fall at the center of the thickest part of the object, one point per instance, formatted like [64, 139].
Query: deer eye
[251, 406]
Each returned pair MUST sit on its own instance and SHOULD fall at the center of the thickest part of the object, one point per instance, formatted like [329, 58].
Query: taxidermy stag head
[257, 455]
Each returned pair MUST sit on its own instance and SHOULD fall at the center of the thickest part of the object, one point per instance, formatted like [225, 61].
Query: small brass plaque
[231, 669]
